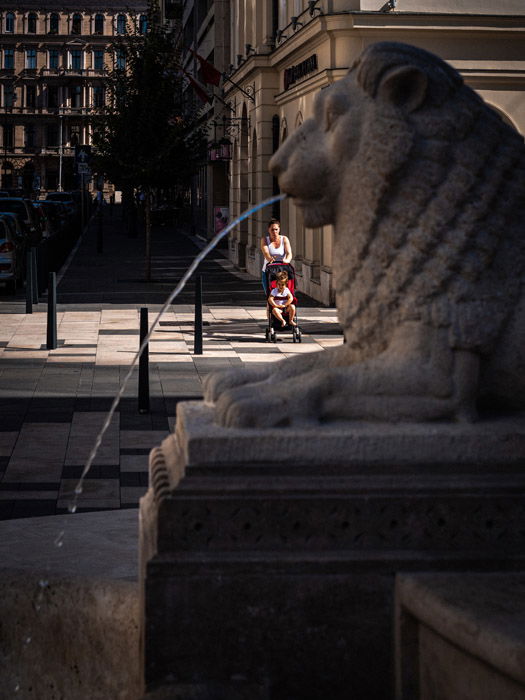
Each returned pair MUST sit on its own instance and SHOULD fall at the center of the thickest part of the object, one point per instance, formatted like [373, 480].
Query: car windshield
[15, 207]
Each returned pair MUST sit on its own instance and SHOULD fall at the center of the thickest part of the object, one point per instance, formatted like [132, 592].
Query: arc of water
[180, 286]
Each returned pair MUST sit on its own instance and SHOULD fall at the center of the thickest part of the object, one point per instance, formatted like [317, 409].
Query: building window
[120, 63]
[9, 95]
[8, 137]
[143, 24]
[74, 135]
[9, 58]
[76, 96]
[52, 96]
[121, 24]
[76, 24]
[99, 24]
[29, 136]
[53, 58]
[31, 23]
[30, 96]
[31, 59]
[10, 22]
[75, 59]
[98, 59]
[98, 96]
[52, 136]
[53, 23]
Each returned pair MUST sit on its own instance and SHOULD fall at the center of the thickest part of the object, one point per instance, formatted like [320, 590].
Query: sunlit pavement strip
[52, 402]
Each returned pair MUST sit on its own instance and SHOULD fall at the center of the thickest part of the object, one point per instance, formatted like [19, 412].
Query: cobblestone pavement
[53, 402]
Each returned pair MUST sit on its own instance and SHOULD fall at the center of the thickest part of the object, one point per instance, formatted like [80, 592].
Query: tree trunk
[147, 226]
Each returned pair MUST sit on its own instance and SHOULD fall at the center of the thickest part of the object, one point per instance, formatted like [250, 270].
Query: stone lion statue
[425, 187]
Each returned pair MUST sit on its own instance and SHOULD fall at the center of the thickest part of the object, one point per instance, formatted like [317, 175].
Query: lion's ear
[404, 86]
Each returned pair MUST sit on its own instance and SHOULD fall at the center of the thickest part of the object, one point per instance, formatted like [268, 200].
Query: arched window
[99, 24]
[76, 24]
[120, 60]
[143, 24]
[31, 23]
[53, 23]
[276, 125]
[10, 22]
[121, 24]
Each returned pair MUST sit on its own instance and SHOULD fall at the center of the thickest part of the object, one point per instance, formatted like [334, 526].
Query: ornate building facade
[53, 64]
[283, 52]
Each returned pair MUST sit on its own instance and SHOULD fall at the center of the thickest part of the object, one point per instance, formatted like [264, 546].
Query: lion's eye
[330, 119]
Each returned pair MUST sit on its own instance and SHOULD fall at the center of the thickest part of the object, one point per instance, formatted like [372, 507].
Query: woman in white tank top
[275, 248]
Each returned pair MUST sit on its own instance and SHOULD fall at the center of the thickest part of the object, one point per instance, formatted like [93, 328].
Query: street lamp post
[60, 117]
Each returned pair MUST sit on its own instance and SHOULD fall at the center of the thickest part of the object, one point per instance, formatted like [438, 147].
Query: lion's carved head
[424, 184]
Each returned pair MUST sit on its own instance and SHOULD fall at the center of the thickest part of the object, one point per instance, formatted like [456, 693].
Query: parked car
[28, 217]
[56, 216]
[4, 193]
[12, 254]
[65, 198]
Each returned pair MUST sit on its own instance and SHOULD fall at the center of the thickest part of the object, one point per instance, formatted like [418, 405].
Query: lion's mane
[435, 204]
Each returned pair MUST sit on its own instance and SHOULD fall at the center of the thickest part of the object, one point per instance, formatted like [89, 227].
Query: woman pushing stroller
[275, 248]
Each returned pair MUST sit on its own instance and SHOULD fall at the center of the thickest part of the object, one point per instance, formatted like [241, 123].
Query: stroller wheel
[267, 333]
[273, 337]
[294, 336]
[299, 337]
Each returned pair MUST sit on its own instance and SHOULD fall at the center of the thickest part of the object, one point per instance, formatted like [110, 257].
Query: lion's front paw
[217, 383]
[250, 406]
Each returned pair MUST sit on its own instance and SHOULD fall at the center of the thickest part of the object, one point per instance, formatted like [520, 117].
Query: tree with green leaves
[146, 137]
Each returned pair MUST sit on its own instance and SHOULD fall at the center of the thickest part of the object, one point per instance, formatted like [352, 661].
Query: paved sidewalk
[52, 403]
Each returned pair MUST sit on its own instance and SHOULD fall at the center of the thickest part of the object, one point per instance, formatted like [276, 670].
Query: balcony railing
[51, 111]
[11, 152]
[73, 72]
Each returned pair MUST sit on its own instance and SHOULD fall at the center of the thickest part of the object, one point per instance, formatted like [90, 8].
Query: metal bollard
[144, 364]
[100, 239]
[29, 282]
[52, 312]
[35, 276]
[197, 345]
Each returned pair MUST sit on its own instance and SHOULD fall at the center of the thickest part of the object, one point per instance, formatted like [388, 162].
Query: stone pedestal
[268, 556]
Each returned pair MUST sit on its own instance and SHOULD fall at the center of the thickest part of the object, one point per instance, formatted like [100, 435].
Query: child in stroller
[281, 303]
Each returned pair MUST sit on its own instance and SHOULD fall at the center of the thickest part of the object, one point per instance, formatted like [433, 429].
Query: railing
[67, 151]
[77, 72]
[57, 111]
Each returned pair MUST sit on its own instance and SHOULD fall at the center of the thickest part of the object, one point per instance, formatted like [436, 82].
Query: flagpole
[250, 97]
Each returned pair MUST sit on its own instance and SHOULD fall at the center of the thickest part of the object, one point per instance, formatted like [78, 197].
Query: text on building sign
[294, 73]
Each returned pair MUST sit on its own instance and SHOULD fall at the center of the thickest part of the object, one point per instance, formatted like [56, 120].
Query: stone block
[460, 636]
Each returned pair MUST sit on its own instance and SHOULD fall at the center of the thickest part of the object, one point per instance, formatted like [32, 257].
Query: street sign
[82, 154]
[83, 169]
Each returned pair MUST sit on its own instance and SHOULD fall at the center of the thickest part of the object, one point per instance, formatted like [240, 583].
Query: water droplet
[72, 507]
[78, 490]
[43, 583]
[27, 640]
[17, 687]
[59, 542]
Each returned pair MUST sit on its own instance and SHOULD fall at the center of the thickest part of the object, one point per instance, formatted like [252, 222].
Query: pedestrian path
[53, 402]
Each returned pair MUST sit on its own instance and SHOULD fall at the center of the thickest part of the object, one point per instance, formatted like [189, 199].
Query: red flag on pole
[209, 73]
[201, 92]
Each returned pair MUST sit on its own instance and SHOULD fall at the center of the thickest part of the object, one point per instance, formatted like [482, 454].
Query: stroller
[273, 324]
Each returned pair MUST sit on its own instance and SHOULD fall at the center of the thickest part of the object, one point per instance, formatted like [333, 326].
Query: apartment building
[53, 66]
[205, 40]
[283, 52]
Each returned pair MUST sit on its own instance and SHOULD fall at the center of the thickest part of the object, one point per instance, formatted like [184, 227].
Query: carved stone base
[268, 557]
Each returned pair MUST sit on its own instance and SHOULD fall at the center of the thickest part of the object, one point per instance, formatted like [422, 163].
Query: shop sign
[294, 73]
